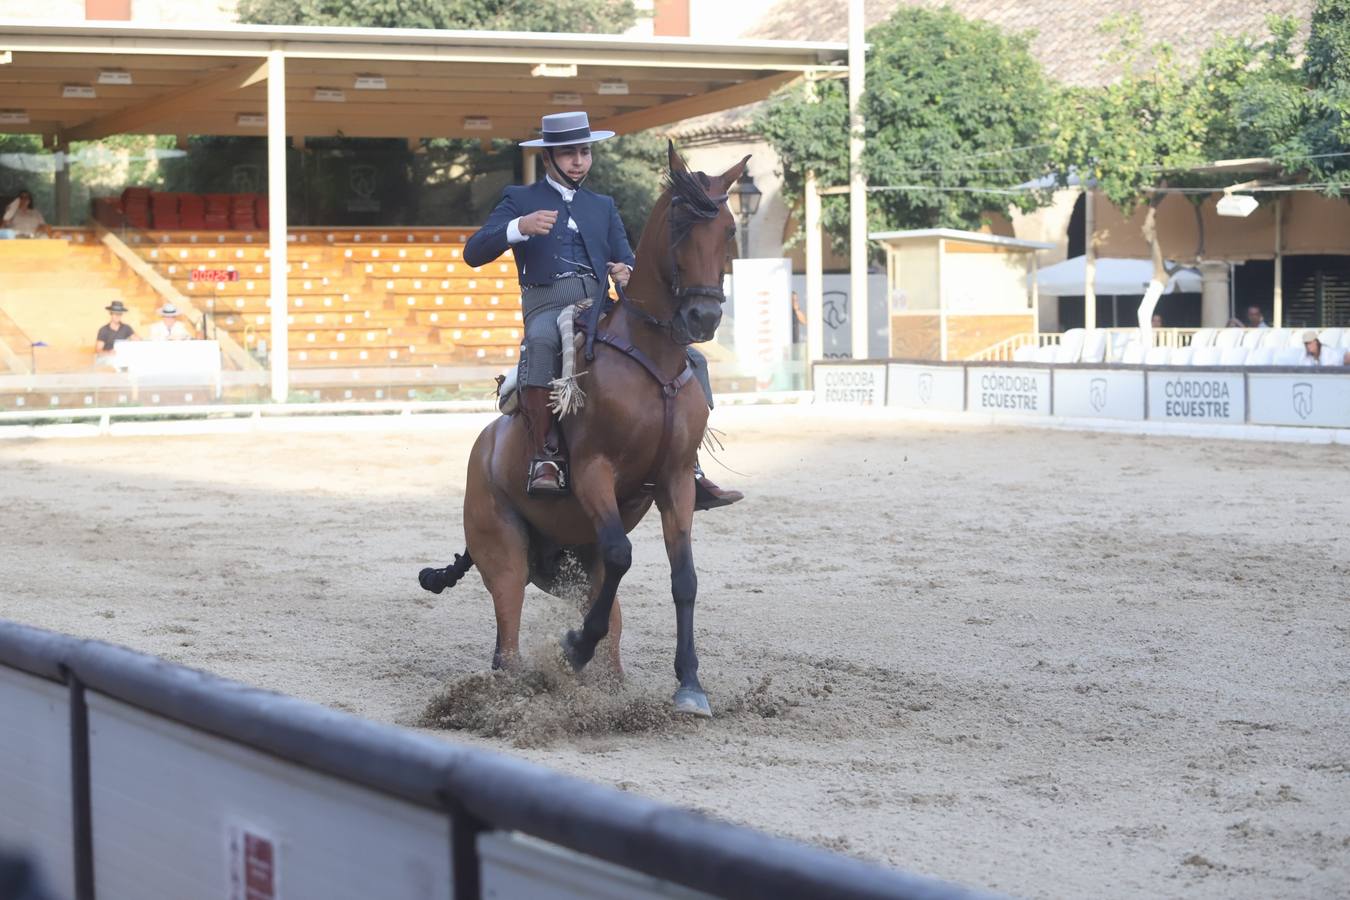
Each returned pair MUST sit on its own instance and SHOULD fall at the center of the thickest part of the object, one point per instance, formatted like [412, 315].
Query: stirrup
[563, 486]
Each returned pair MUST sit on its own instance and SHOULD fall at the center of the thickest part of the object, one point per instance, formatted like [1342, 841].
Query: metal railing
[1116, 341]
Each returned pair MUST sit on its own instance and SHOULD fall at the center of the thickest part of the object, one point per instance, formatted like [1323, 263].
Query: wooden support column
[276, 212]
[1089, 261]
[1278, 313]
[857, 193]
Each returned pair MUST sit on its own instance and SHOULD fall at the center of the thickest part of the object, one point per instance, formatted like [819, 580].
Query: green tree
[588, 16]
[954, 113]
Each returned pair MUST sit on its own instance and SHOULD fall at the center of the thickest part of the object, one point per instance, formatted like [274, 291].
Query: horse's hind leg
[499, 545]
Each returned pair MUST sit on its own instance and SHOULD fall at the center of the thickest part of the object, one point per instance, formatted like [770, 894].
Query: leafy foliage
[950, 104]
[589, 16]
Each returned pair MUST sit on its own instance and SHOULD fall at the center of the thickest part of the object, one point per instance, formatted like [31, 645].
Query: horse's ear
[728, 178]
[677, 163]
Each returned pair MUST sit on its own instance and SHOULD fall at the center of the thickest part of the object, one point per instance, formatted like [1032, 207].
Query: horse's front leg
[593, 486]
[676, 503]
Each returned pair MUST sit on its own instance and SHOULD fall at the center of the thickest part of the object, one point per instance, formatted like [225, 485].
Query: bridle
[681, 292]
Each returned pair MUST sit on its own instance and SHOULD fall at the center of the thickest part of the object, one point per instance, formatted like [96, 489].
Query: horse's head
[700, 229]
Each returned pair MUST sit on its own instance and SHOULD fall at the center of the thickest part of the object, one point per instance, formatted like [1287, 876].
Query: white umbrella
[1114, 276]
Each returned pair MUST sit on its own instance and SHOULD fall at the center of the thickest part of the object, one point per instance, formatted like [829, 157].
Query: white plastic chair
[1275, 338]
[1228, 337]
[1094, 347]
[1261, 356]
[1333, 337]
[1205, 356]
[1253, 337]
[1180, 356]
[1025, 353]
[1071, 343]
[1066, 354]
[1047, 353]
[1233, 356]
[1132, 354]
[1157, 356]
[1203, 337]
[1289, 356]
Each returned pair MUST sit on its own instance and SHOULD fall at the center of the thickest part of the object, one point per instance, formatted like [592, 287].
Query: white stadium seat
[1205, 356]
[1157, 356]
[1333, 337]
[1252, 337]
[1233, 356]
[1289, 356]
[1203, 337]
[1071, 345]
[1295, 338]
[1180, 356]
[1261, 356]
[1275, 338]
[1132, 354]
[1066, 354]
[1094, 346]
[1025, 353]
[1047, 353]
[1228, 337]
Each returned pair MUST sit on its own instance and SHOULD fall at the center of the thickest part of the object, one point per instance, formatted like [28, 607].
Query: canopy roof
[436, 83]
[1124, 277]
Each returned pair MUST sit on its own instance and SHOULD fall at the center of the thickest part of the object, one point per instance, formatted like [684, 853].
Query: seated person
[1256, 318]
[1315, 354]
[169, 327]
[116, 330]
[23, 218]
[1158, 320]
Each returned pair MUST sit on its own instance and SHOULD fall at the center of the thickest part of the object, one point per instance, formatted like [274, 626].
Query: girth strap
[669, 390]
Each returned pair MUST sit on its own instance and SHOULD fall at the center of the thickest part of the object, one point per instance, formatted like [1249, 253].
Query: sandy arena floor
[1049, 664]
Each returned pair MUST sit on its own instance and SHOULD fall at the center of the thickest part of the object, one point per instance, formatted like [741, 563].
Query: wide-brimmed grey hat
[565, 129]
[167, 310]
[117, 306]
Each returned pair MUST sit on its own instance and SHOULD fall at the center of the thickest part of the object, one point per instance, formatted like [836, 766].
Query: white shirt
[24, 221]
[1331, 356]
[513, 235]
[177, 332]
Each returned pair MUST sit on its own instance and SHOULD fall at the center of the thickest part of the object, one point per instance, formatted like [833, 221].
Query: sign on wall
[1320, 400]
[1099, 394]
[1196, 397]
[926, 387]
[850, 385]
[763, 328]
[1022, 392]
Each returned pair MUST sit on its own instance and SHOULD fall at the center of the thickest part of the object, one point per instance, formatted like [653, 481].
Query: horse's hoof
[572, 652]
[692, 702]
[427, 578]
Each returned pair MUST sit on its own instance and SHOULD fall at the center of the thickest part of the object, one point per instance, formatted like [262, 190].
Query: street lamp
[744, 199]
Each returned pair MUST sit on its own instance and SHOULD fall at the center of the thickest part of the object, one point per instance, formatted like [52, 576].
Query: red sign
[252, 865]
[215, 275]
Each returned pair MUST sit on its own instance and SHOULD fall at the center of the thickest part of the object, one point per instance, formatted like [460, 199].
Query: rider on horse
[563, 238]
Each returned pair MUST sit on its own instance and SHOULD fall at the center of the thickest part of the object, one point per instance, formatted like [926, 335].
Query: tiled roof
[1068, 39]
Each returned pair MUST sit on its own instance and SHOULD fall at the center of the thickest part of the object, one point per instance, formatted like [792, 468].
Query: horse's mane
[689, 201]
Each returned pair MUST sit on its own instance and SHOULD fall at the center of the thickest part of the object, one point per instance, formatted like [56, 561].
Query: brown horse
[631, 444]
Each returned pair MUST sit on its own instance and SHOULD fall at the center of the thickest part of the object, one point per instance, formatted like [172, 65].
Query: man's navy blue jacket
[540, 258]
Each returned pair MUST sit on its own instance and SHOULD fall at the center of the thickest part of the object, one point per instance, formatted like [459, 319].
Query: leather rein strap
[669, 390]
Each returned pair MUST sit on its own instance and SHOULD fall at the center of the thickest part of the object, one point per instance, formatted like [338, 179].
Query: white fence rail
[125, 776]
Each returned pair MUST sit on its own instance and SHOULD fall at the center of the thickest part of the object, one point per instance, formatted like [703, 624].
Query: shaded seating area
[1203, 347]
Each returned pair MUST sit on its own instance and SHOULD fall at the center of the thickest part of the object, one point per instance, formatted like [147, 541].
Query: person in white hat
[568, 243]
[1318, 354]
[169, 327]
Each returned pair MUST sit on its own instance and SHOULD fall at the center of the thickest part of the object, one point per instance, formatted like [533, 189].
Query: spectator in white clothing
[1315, 354]
[23, 218]
[1256, 318]
[169, 327]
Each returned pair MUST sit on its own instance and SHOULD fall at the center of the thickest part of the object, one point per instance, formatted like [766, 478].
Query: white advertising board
[850, 385]
[1196, 397]
[1283, 399]
[762, 289]
[1099, 394]
[926, 387]
[1014, 391]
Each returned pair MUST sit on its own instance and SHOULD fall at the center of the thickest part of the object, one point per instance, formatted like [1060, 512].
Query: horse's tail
[437, 580]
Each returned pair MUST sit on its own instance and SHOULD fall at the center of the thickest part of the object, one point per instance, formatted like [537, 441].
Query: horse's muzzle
[701, 318]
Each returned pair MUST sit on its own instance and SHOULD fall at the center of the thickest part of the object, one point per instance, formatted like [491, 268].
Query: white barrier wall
[851, 385]
[1099, 394]
[180, 813]
[1208, 397]
[516, 866]
[1287, 399]
[35, 796]
[926, 387]
[1008, 390]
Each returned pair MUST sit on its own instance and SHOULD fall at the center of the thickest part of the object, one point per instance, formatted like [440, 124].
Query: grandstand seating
[357, 297]
[1208, 347]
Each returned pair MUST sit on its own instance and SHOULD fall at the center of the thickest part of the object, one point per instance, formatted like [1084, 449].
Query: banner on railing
[1197, 397]
[1288, 399]
[926, 387]
[1015, 391]
[851, 385]
[1099, 394]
